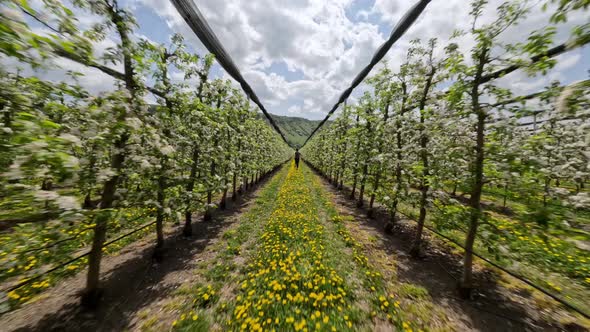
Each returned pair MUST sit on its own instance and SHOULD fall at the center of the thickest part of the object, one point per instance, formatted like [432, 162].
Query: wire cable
[193, 17]
[513, 274]
[61, 265]
[398, 31]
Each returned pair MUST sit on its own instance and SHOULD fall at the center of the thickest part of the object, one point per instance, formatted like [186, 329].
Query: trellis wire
[513, 274]
[61, 265]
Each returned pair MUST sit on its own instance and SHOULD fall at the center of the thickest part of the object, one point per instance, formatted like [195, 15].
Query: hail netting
[404, 24]
[193, 17]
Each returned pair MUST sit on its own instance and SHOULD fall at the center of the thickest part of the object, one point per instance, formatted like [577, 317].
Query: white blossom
[71, 138]
[71, 162]
[105, 174]
[580, 200]
[167, 150]
[46, 195]
[133, 123]
[36, 146]
[67, 203]
[144, 164]
[14, 171]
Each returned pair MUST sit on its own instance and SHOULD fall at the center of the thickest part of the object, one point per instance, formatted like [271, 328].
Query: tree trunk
[390, 224]
[398, 167]
[354, 167]
[190, 186]
[424, 183]
[379, 170]
[208, 211]
[161, 199]
[92, 293]
[417, 244]
[88, 205]
[361, 200]
[546, 190]
[223, 202]
[375, 188]
[341, 174]
[234, 195]
[475, 199]
[398, 186]
[6, 115]
[353, 192]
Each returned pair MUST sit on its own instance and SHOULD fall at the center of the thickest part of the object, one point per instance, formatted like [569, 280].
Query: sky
[299, 55]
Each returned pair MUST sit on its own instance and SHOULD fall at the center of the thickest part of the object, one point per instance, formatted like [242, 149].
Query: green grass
[30, 249]
[547, 257]
[222, 269]
[299, 269]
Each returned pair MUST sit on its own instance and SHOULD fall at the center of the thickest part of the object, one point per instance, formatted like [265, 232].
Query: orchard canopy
[478, 137]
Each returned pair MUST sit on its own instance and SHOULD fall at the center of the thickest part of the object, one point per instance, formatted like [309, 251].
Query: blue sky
[299, 55]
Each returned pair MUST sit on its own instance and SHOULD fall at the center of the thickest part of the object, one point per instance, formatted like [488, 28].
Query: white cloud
[319, 40]
[57, 69]
[322, 44]
[441, 18]
[314, 38]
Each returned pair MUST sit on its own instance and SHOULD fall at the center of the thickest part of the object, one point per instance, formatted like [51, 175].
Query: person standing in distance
[297, 156]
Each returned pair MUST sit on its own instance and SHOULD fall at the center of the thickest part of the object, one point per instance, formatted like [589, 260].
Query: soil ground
[494, 307]
[132, 281]
[140, 291]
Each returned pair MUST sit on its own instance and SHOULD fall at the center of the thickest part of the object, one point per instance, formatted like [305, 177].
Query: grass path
[204, 294]
[291, 264]
[296, 258]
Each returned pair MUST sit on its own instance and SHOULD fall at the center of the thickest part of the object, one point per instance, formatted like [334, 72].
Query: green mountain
[296, 129]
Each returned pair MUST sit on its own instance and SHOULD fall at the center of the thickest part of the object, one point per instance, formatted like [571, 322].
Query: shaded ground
[494, 308]
[140, 292]
[132, 280]
[288, 250]
[219, 269]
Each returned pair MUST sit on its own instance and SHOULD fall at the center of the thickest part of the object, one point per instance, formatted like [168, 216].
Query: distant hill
[296, 129]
